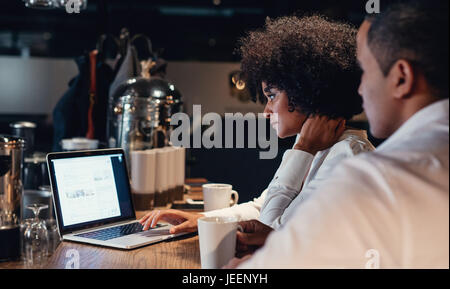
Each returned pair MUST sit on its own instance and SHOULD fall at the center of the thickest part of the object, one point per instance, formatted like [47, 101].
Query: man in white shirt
[389, 208]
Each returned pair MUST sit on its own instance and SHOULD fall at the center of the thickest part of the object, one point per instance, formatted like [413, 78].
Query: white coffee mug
[218, 196]
[217, 237]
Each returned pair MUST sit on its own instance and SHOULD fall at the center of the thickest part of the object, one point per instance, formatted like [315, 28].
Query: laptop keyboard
[115, 232]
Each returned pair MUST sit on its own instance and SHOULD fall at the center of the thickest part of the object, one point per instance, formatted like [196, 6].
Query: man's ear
[402, 79]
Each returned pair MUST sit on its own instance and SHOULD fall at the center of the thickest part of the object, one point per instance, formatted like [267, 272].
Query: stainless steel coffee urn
[142, 108]
[11, 154]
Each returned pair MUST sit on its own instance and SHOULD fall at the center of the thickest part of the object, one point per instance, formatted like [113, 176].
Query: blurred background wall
[197, 38]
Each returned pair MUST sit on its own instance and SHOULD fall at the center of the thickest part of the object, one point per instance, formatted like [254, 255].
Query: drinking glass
[24, 224]
[53, 235]
[36, 238]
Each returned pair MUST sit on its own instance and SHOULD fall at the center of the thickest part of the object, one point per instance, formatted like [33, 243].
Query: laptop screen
[90, 189]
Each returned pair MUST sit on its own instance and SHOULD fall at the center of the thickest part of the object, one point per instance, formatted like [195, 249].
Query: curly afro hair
[311, 58]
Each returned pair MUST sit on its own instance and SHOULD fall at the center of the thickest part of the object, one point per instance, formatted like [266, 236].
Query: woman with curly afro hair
[305, 69]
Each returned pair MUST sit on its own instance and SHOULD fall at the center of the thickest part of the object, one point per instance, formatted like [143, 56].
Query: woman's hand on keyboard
[182, 221]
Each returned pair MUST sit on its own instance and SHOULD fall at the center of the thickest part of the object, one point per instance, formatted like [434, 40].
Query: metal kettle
[142, 108]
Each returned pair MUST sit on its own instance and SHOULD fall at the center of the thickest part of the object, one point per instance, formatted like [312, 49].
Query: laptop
[93, 203]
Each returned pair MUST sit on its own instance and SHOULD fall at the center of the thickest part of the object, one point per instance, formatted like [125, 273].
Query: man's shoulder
[368, 171]
[384, 175]
[365, 163]
[351, 144]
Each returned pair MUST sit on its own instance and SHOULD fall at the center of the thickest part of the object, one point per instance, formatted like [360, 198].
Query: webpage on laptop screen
[87, 188]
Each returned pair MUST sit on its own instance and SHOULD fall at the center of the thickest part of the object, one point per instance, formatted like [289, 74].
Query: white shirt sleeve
[244, 212]
[286, 184]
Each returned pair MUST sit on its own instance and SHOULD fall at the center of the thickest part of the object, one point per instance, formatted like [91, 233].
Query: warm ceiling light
[240, 84]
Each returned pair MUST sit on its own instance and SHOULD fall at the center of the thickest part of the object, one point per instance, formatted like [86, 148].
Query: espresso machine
[142, 109]
[11, 154]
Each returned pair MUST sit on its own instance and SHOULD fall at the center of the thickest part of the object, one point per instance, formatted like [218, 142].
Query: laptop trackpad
[157, 232]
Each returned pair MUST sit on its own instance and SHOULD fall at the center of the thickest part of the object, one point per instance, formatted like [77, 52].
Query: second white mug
[218, 196]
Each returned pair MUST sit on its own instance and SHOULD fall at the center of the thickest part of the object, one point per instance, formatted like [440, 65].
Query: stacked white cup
[171, 176]
[143, 179]
[162, 177]
[180, 172]
[158, 174]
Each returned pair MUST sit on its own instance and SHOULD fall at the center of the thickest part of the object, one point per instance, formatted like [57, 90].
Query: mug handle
[236, 197]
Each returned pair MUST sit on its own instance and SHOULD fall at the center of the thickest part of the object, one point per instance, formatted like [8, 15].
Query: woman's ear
[401, 78]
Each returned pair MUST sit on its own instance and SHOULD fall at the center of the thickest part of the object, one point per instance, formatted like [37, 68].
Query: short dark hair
[416, 31]
[311, 58]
